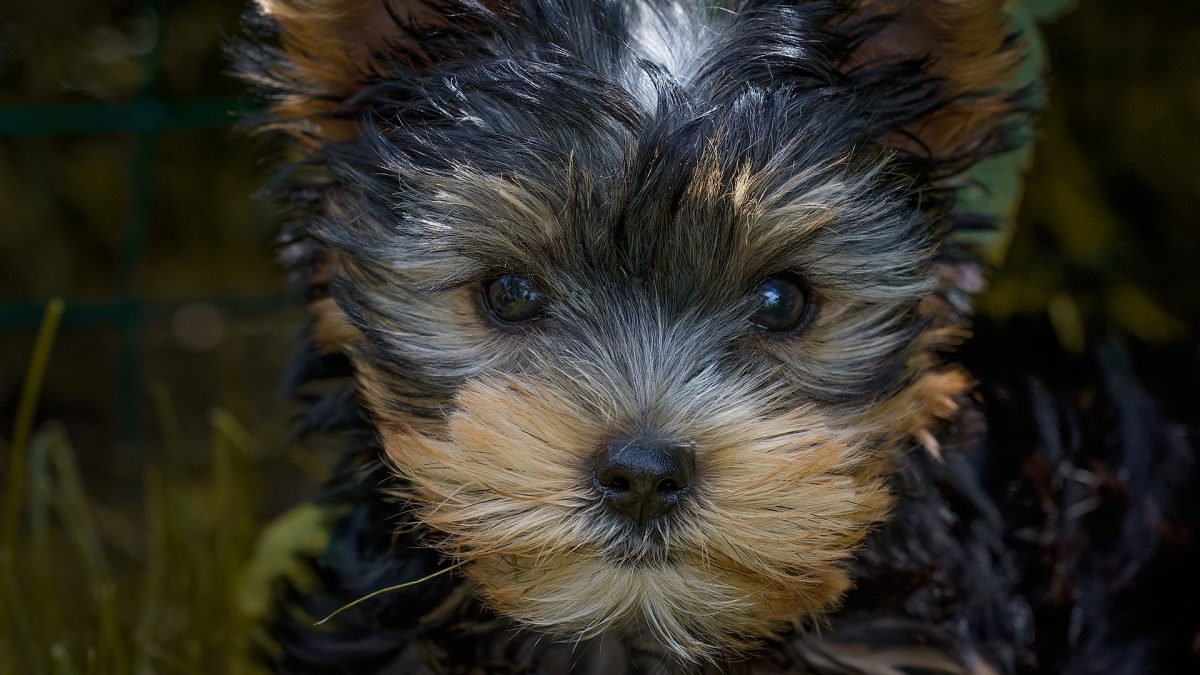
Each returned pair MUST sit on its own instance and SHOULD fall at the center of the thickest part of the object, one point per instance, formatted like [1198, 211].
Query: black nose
[642, 480]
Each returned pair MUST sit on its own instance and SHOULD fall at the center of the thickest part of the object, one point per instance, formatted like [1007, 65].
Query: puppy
[647, 308]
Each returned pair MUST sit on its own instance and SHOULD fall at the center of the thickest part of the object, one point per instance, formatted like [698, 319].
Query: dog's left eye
[513, 299]
[783, 305]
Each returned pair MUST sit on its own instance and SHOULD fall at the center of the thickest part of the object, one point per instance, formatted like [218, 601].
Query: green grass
[86, 590]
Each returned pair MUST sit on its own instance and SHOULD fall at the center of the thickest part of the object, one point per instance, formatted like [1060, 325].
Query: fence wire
[144, 118]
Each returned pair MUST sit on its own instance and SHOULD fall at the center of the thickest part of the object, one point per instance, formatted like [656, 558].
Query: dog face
[643, 297]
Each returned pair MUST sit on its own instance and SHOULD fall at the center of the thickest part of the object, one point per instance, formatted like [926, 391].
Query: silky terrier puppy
[639, 316]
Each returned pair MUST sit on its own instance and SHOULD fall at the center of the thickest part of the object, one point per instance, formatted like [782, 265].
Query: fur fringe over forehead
[929, 79]
[920, 90]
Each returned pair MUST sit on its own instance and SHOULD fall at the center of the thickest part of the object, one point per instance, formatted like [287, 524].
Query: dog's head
[644, 297]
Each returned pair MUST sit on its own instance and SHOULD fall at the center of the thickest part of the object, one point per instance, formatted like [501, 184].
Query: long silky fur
[647, 164]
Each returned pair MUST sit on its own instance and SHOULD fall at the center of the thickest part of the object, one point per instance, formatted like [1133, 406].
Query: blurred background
[160, 443]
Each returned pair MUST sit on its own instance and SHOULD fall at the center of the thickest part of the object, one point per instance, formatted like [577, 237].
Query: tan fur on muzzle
[780, 503]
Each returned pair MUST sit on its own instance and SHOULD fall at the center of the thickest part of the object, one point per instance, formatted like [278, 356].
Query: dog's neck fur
[954, 583]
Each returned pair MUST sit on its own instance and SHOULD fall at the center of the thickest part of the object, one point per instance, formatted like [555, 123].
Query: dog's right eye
[513, 299]
[783, 307]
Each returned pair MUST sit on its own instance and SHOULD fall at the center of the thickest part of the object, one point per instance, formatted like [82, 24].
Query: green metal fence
[145, 119]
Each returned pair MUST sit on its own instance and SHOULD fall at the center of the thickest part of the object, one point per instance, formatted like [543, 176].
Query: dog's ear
[961, 112]
[326, 50]
[317, 55]
[968, 88]
[333, 42]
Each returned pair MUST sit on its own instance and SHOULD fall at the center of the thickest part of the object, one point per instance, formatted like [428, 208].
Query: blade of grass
[23, 424]
[233, 496]
[389, 589]
[20, 636]
[21, 630]
[154, 578]
[168, 424]
[41, 499]
[36, 560]
[75, 514]
[170, 525]
[228, 429]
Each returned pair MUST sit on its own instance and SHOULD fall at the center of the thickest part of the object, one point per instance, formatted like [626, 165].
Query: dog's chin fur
[783, 499]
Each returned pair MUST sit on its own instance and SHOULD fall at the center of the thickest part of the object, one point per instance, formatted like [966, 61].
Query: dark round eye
[782, 305]
[512, 299]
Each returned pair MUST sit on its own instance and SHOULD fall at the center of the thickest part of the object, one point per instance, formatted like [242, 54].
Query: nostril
[618, 484]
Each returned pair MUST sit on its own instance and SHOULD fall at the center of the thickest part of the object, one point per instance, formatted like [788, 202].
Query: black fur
[1059, 536]
[1060, 506]
[525, 92]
